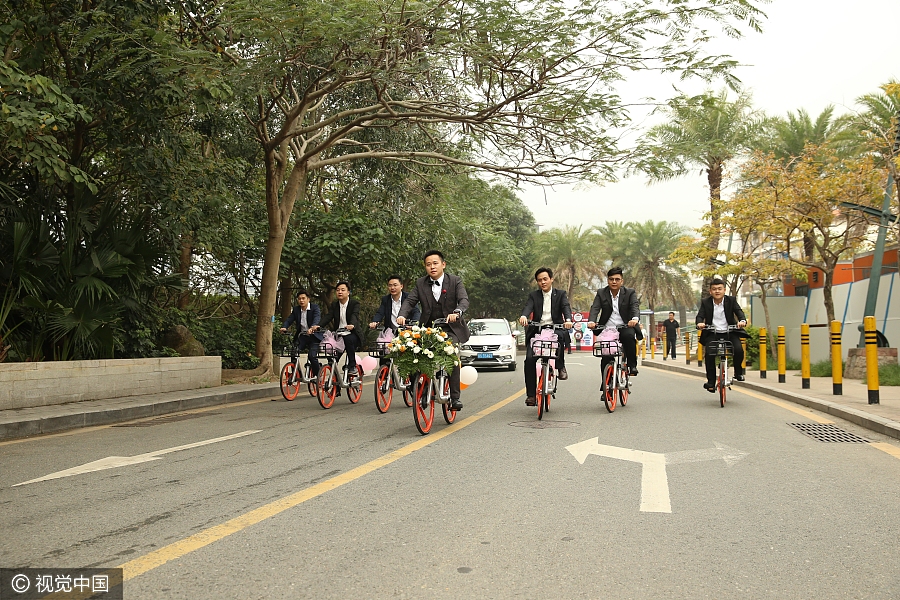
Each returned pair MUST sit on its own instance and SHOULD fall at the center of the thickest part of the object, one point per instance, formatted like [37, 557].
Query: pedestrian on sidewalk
[673, 333]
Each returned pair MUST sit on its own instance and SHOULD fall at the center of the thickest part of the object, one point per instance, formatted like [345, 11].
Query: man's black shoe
[739, 377]
[562, 375]
[529, 401]
[664, 358]
[455, 404]
[710, 387]
[632, 371]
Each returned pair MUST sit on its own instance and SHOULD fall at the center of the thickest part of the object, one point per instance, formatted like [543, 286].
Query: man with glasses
[618, 307]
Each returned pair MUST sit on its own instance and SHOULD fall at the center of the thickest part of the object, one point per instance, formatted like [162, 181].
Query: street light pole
[878, 256]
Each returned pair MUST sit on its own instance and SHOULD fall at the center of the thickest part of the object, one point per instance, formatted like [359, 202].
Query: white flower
[449, 349]
[415, 360]
[416, 349]
[410, 344]
[429, 354]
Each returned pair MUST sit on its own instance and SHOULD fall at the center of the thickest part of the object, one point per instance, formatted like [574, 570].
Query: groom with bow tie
[441, 295]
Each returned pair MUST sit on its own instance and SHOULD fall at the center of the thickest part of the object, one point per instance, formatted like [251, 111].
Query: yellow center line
[887, 448]
[154, 559]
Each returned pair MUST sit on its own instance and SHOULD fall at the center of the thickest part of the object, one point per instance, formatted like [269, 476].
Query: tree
[877, 128]
[575, 255]
[805, 199]
[655, 278]
[708, 132]
[527, 89]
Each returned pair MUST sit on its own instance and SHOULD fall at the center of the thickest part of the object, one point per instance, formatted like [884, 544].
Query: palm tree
[656, 280]
[575, 255]
[878, 127]
[707, 132]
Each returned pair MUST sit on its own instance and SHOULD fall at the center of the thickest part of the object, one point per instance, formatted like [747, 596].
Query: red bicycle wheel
[327, 388]
[623, 386]
[354, 392]
[424, 415]
[551, 386]
[609, 387]
[407, 393]
[384, 391]
[721, 385]
[449, 413]
[290, 383]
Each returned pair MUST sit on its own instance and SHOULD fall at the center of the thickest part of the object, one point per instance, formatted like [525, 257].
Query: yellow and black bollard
[763, 345]
[837, 368]
[687, 348]
[871, 360]
[653, 348]
[664, 347]
[643, 349]
[804, 355]
[781, 357]
[699, 352]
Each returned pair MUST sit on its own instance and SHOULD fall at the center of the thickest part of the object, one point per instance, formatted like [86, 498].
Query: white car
[492, 344]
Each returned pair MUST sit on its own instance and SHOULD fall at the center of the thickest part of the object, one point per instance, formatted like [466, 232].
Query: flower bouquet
[423, 350]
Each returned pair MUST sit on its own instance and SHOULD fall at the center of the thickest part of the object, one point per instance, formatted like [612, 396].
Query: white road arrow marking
[111, 462]
[654, 479]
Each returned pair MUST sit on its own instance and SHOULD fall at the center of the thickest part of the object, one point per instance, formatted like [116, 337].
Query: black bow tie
[435, 282]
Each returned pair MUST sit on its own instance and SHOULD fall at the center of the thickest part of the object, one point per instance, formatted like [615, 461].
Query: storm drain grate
[544, 424]
[828, 433]
[166, 419]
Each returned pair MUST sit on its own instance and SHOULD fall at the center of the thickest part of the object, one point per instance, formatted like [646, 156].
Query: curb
[100, 415]
[861, 418]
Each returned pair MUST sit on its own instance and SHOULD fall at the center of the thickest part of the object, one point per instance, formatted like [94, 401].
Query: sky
[811, 54]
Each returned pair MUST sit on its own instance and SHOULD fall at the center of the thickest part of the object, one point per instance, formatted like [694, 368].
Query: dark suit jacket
[333, 318]
[313, 316]
[384, 311]
[629, 308]
[733, 314]
[453, 297]
[560, 311]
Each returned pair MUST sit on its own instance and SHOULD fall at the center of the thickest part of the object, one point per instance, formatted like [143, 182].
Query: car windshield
[488, 328]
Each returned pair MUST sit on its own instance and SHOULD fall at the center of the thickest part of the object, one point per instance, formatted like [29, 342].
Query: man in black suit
[441, 295]
[305, 316]
[618, 307]
[715, 314]
[547, 306]
[390, 305]
[345, 313]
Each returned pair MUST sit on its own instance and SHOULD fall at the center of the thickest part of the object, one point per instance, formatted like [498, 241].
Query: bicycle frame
[618, 386]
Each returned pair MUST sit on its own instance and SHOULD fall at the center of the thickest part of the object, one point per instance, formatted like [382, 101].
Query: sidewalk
[853, 405]
[25, 422]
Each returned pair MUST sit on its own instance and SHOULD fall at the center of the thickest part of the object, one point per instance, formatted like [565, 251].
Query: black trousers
[531, 365]
[710, 361]
[351, 345]
[306, 342]
[628, 338]
[670, 345]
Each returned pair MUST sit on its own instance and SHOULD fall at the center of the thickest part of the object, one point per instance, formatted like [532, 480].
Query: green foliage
[889, 375]
[753, 346]
[822, 368]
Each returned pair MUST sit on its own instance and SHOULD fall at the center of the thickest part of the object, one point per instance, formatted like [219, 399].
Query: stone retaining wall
[26, 385]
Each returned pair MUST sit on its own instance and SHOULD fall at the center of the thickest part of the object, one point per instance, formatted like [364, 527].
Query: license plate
[485, 355]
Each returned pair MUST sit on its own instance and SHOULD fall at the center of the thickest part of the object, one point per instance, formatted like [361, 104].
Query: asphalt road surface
[670, 496]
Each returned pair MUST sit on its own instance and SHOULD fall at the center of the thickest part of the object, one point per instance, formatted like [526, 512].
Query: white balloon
[468, 375]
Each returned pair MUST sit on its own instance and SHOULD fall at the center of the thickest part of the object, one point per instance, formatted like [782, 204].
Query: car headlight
[506, 347]
[466, 347]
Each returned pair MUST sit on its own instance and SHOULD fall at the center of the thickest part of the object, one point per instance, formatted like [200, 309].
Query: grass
[889, 375]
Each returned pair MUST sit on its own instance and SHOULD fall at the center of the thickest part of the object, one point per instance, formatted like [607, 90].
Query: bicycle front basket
[720, 348]
[544, 347]
[381, 350]
[607, 348]
[327, 350]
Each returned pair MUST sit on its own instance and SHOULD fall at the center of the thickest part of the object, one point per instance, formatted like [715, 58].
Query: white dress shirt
[436, 289]
[546, 316]
[395, 310]
[303, 324]
[719, 321]
[343, 308]
[615, 319]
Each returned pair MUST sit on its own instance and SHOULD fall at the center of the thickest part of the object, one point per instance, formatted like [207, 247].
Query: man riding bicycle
[715, 314]
[305, 317]
[617, 307]
[548, 306]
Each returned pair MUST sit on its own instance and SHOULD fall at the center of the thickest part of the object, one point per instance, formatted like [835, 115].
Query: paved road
[348, 503]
